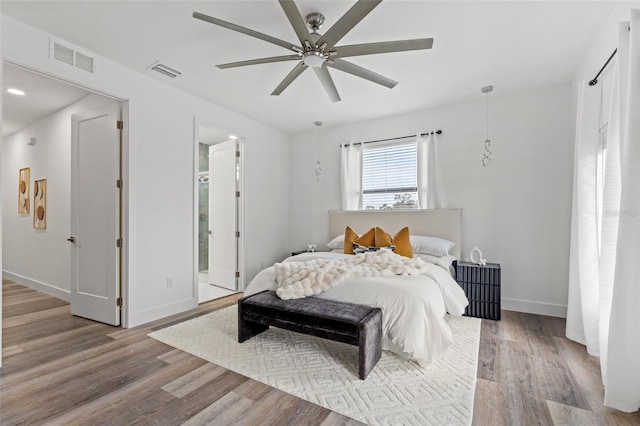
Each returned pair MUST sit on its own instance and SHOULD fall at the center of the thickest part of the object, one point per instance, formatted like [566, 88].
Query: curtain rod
[437, 132]
[595, 79]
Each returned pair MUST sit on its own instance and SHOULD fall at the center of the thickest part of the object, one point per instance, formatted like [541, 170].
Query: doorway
[48, 115]
[218, 198]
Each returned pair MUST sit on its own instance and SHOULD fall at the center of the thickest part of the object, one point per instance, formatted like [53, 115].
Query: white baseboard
[49, 289]
[159, 312]
[539, 308]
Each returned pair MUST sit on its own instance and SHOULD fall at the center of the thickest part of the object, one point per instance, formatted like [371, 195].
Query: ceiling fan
[320, 51]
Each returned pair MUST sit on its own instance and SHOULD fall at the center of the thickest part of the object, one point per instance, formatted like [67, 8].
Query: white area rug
[396, 392]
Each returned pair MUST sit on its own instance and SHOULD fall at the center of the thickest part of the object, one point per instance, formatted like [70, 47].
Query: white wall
[36, 257]
[517, 210]
[159, 185]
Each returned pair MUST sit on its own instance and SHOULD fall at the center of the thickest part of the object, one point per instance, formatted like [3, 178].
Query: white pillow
[431, 245]
[442, 261]
[337, 242]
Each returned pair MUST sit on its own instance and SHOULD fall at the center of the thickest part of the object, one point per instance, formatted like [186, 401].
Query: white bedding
[413, 307]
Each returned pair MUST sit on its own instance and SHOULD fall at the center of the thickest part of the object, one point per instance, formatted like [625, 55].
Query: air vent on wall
[165, 70]
[71, 57]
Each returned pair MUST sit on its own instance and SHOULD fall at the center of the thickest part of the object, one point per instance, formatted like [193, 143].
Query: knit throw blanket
[301, 279]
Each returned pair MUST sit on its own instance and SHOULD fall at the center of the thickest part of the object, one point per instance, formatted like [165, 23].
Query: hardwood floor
[61, 369]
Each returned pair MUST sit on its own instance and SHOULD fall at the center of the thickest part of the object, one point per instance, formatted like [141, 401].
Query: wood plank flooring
[61, 369]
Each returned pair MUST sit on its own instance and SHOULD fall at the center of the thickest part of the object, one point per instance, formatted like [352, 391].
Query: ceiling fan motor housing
[314, 20]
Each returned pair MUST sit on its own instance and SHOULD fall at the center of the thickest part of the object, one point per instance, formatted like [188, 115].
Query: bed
[413, 306]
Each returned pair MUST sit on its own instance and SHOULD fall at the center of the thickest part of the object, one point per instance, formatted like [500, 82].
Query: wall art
[23, 190]
[40, 204]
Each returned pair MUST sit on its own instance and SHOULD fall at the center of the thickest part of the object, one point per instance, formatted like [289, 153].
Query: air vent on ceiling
[165, 70]
[69, 56]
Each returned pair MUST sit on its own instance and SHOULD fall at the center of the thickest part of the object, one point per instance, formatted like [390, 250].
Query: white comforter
[413, 307]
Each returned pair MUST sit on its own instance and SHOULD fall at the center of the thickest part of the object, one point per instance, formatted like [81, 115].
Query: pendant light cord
[487, 116]
[318, 167]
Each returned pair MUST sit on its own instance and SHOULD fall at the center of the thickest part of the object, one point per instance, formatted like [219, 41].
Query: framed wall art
[40, 204]
[23, 190]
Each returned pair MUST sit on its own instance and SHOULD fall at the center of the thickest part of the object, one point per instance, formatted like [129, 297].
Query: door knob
[71, 239]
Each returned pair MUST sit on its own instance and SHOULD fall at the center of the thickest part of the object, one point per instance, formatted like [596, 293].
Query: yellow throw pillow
[401, 241]
[350, 237]
[382, 238]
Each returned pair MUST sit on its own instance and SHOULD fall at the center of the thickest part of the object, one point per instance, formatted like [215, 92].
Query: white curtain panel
[431, 194]
[351, 176]
[622, 362]
[583, 304]
[604, 290]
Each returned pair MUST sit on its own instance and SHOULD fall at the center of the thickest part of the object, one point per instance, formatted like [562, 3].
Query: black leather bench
[357, 325]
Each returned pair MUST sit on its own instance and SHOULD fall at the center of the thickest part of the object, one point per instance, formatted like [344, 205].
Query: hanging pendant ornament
[318, 168]
[486, 156]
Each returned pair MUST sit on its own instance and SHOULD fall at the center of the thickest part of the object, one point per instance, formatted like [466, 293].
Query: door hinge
[119, 184]
[119, 242]
[119, 301]
[237, 153]
[237, 234]
[120, 124]
[237, 274]
[237, 194]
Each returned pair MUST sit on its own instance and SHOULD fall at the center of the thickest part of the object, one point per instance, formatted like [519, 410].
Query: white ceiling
[513, 45]
[43, 96]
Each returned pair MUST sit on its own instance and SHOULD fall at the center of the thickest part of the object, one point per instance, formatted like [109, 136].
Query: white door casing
[222, 214]
[95, 215]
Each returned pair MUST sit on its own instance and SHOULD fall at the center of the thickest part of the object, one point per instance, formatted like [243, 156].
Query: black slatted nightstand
[481, 284]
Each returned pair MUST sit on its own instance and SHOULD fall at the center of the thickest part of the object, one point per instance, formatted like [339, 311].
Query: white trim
[43, 287]
[538, 308]
[158, 312]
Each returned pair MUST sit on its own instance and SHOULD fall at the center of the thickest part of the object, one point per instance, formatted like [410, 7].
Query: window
[390, 176]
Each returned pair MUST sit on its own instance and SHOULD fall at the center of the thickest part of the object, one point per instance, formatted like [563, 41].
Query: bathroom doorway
[218, 213]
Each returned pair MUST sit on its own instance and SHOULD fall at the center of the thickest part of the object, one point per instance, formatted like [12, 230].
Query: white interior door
[95, 161]
[222, 214]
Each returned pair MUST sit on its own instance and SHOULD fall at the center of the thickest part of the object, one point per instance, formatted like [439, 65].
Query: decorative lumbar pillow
[431, 245]
[358, 249]
[350, 237]
[401, 241]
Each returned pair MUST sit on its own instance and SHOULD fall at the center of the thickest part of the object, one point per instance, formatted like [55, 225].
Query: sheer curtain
[431, 193]
[604, 290]
[351, 176]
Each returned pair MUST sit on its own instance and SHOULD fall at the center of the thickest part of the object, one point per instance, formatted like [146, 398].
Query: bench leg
[370, 343]
[247, 329]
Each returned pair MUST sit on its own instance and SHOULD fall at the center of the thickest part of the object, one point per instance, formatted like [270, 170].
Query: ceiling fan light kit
[320, 52]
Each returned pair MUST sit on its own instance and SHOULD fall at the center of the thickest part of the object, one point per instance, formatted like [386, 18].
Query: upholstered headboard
[442, 223]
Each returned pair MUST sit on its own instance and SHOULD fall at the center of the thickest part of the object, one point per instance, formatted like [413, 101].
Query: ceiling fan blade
[295, 72]
[327, 82]
[259, 61]
[349, 20]
[358, 71]
[383, 47]
[295, 18]
[243, 30]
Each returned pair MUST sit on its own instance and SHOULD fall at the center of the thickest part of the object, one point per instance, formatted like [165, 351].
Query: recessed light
[16, 92]
[233, 137]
